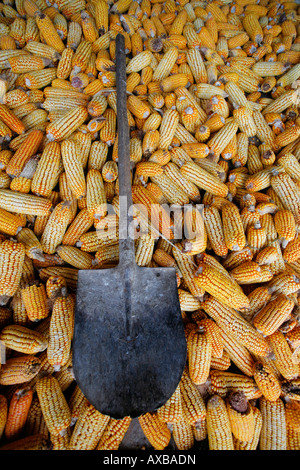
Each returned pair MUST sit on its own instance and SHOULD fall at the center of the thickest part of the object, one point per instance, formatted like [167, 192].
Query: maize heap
[213, 111]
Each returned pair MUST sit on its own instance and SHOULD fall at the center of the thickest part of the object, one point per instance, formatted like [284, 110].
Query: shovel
[129, 346]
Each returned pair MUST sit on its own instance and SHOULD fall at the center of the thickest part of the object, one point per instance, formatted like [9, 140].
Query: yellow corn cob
[250, 272]
[108, 131]
[292, 438]
[15, 98]
[216, 336]
[289, 77]
[81, 224]
[22, 339]
[10, 120]
[17, 413]
[243, 117]
[35, 302]
[222, 382]
[233, 323]
[221, 287]
[47, 171]
[92, 241]
[12, 258]
[287, 191]
[193, 405]
[183, 436]
[273, 315]
[28, 148]
[188, 303]
[253, 443]
[18, 309]
[214, 228]
[172, 190]
[60, 442]
[284, 283]
[171, 411]
[27, 63]
[69, 274]
[48, 31]
[187, 269]
[38, 79]
[283, 355]
[64, 65]
[107, 255]
[236, 258]
[290, 164]
[258, 298]
[33, 247]
[97, 105]
[19, 370]
[157, 215]
[148, 169]
[101, 17]
[96, 200]
[196, 150]
[203, 179]
[234, 235]
[113, 434]
[10, 224]
[240, 414]
[144, 250]
[20, 184]
[76, 402]
[199, 354]
[56, 227]
[88, 429]
[5, 156]
[218, 425]
[292, 415]
[273, 431]
[285, 225]
[63, 127]
[28, 275]
[74, 257]
[54, 406]
[155, 430]
[60, 331]
[292, 337]
[55, 287]
[237, 353]
[266, 381]
[139, 62]
[73, 168]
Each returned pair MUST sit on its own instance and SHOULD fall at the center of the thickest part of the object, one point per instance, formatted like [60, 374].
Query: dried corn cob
[88, 429]
[233, 323]
[113, 434]
[156, 431]
[22, 339]
[218, 425]
[17, 413]
[35, 301]
[54, 406]
[60, 331]
[20, 369]
[273, 431]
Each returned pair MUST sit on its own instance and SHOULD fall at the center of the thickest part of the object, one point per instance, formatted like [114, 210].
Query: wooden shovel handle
[126, 243]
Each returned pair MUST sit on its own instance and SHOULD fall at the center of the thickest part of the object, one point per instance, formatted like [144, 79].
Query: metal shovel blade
[129, 346]
[122, 369]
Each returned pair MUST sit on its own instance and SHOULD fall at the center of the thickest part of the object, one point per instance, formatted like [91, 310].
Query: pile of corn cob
[213, 105]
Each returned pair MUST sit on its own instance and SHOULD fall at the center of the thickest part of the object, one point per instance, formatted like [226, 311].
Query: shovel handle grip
[126, 242]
